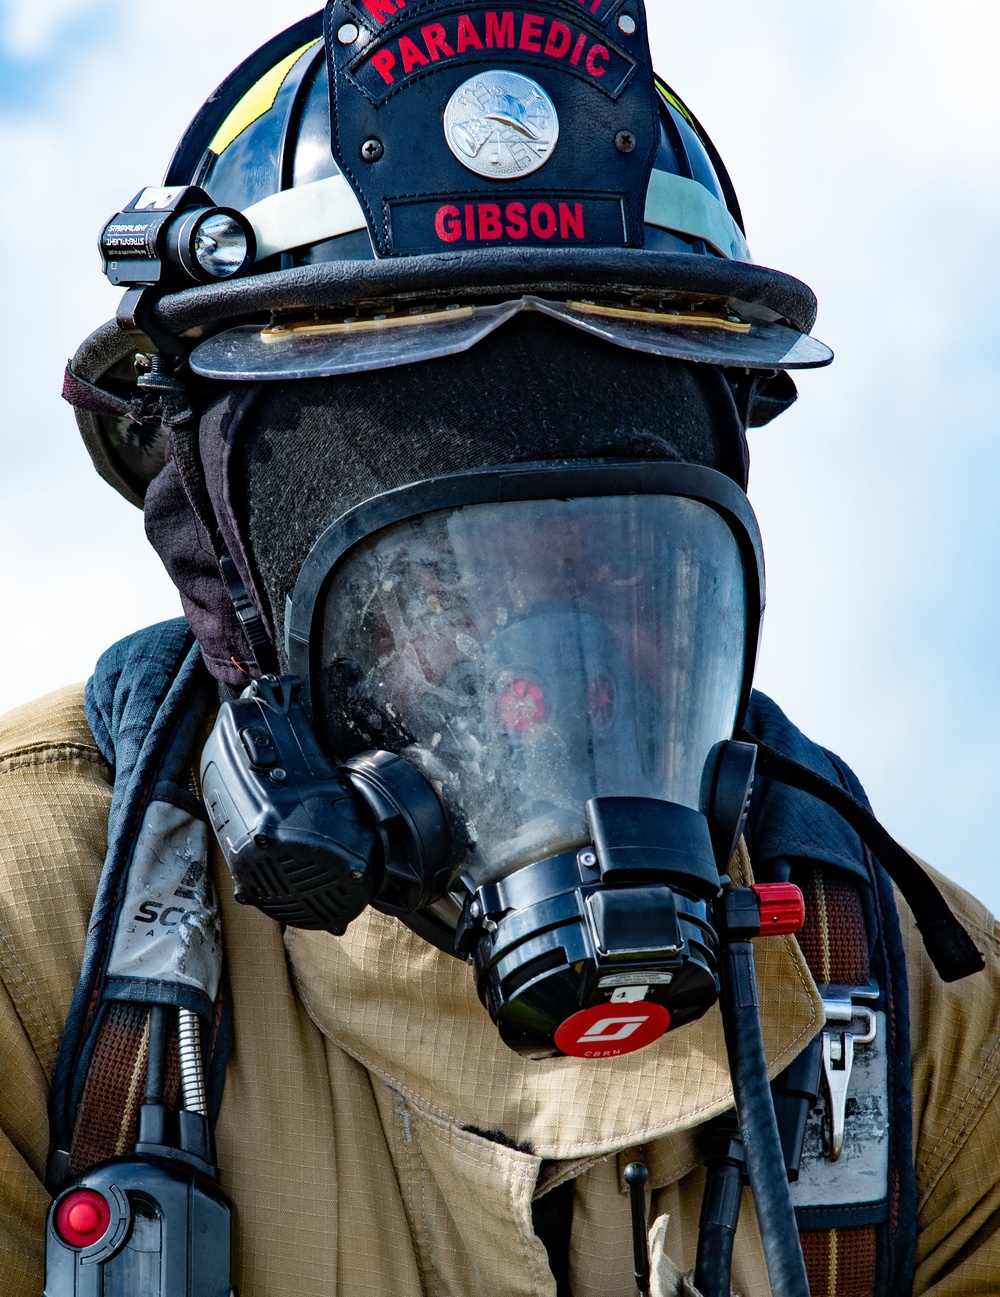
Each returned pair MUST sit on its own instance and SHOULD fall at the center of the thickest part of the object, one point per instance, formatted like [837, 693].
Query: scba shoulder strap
[846, 1102]
[154, 937]
[137, 1202]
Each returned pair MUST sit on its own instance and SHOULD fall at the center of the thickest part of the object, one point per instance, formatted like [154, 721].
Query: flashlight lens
[220, 246]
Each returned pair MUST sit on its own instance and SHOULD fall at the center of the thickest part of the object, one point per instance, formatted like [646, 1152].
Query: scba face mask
[525, 684]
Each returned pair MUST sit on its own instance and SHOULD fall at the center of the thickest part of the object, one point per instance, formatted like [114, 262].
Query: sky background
[863, 140]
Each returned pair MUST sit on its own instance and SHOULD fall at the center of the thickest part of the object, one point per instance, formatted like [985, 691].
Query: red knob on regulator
[782, 908]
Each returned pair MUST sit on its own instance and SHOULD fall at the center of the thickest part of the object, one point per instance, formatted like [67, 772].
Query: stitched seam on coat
[541, 1277]
[26, 998]
[423, 1208]
[598, 1148]
[447, 1129]
[418, 1223]
[512, 1168]
[573, 1169]
[450, 1138]
[391, 1081]
[49, 754]
[399, 1107]
[955, 1140]
[406, 1139]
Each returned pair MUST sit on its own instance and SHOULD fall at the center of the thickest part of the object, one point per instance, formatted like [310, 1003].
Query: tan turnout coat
[366, 1080]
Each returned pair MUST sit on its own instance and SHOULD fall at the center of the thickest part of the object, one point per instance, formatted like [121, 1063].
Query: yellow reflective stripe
[672, 99]
[298, 328]
[675, 319]
[256, 101]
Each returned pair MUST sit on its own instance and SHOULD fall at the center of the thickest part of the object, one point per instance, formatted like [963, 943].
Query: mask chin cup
[310, 844]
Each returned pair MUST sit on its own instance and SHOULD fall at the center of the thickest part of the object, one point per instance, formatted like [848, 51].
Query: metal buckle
[839, 1043]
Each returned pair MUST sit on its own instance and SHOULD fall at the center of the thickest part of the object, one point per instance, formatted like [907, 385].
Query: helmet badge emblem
[501, 125]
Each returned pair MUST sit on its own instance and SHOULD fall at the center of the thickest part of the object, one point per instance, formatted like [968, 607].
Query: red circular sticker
[521, 705]
[608, 1030]
[83, 1218]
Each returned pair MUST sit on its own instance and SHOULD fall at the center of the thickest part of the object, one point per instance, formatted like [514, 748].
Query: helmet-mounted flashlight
[173, 237]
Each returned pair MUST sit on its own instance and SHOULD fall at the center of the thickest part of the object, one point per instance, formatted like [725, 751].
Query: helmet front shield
[318, 347]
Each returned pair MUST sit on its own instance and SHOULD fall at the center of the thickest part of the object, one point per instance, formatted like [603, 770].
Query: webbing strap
[145, 704]
[840, 1262]
[834, 942]
[107, 1118]
[810, 811]
[834, 938]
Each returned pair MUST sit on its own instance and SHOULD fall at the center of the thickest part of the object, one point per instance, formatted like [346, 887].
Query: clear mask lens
[530, 655]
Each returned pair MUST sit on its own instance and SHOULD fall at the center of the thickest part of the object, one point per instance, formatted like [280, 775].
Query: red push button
[782, 908]
[608, 1030]
[83, 1218]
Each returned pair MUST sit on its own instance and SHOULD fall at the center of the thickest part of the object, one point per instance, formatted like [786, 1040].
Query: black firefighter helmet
[391, 180]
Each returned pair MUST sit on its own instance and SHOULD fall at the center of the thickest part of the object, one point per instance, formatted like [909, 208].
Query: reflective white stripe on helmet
[304, 215]
[325, 209]
[685, 207]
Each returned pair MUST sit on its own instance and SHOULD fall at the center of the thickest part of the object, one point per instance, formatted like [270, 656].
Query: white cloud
[28, 27]
[864, 144]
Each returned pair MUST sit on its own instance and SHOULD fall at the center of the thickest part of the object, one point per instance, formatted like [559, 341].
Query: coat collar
[411, 1016]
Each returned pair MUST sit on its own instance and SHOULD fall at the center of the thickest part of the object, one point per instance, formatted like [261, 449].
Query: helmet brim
[753, 292]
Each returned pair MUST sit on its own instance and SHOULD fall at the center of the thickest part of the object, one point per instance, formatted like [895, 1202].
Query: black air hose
[720, 1208]
[779, 1233]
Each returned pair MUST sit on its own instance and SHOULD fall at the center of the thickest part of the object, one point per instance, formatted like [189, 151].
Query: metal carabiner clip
[838, 1063]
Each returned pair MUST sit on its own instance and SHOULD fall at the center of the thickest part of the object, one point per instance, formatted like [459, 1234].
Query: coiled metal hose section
[192, 1068]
